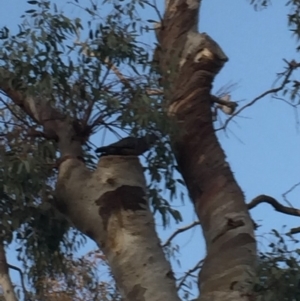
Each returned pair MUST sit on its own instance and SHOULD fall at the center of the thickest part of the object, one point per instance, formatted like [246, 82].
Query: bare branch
[155, 7]
[189, 273]
[23, 121]
[273, 202]
[180, 230]
[126, 82]
[38, 109]
[284, 195]
[90, 107]
[285, 101]
[35, 134]
[294, 106]
[117, 72]
[123, 79]
[292, 66]
[21, 277]
[53, 121]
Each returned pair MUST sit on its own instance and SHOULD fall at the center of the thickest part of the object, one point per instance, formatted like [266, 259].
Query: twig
[189, 272]
[23, 121]
[288, 191]
[117, 72]
[154, 6]
[5, 280]
[273, 202]
[39, 134]
[21, 277]
[180, 230]
[89, 110]
[126, 82]
[292, 66]
[285, 101]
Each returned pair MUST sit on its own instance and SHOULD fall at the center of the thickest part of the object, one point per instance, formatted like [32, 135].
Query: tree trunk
[110, 206]
[5, 281]
[188, 62]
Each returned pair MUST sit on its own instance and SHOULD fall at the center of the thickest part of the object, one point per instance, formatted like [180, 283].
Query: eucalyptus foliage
[98, 74]
[279, 270]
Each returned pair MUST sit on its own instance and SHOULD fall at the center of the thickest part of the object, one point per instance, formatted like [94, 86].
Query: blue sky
[262, 145]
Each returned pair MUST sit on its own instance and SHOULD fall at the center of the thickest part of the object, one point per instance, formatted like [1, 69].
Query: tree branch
[180, 230]
[274, 203]
[5, 281]
[292, 66]
[126, 82]
[21, 277]
[38, 109]
[53, 121]
[188, 273]
[123, 79]
[284, 195]
[13, 113]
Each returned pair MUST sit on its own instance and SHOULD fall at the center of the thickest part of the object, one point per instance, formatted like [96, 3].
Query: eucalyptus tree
[61, 83]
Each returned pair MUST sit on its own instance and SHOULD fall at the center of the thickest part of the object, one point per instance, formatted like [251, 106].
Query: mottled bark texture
[188, 62]
[108, 204]
[5, 281]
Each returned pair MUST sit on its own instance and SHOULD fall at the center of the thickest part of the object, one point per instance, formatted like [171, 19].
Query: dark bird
[129, 146]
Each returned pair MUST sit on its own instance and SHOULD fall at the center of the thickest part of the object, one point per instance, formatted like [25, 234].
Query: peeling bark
[5, 281]
[188, 62]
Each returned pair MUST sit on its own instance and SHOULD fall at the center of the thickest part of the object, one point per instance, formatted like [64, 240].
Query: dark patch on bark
[60, 205]
[235, 223]
[232, 285]
[170, 275]
[123, 198]
[231, 224]
[137, 293]
[110, 181]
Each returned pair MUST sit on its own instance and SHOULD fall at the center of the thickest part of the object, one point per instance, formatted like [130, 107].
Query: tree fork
[108, 204]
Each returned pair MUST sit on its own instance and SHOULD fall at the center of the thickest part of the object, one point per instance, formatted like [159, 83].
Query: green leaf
[30, 11]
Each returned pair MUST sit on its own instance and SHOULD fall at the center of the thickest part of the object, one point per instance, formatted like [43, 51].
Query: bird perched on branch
[129, 146]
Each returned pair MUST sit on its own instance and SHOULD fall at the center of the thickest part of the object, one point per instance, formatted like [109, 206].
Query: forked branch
[292, 66]
[189, 273]
[21, 277]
